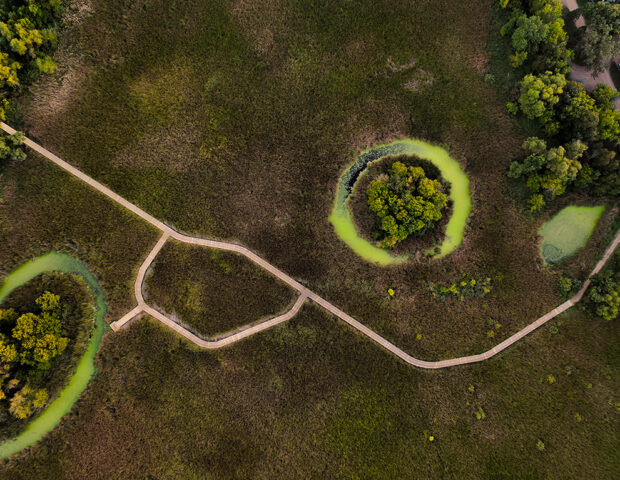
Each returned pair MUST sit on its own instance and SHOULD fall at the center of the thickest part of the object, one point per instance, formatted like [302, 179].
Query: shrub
[604, 295]
[569, 286]
[467, 287]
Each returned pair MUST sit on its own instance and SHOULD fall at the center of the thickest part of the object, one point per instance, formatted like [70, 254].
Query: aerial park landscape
[323, 224]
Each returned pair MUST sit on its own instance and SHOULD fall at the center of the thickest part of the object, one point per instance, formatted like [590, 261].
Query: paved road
[304, 293]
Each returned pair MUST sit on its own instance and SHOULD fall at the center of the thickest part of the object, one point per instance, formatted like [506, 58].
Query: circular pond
[342, 220]
[51, 416]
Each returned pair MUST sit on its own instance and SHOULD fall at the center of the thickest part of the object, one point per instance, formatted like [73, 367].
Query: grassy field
[44, 209]
[235, 120]
[312, 399]
[212, 291]
[271, 101]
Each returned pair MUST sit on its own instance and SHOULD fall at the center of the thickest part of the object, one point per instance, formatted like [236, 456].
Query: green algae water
[342, 219]
[568, 231]
[85, 368]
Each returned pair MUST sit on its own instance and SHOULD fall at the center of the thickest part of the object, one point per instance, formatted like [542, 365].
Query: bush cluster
[581, 130]
[467, 287]
[604, 293]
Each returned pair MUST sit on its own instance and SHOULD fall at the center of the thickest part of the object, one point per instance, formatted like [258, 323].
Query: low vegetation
[405, 202]
[270, 103]
[42, 334]
[313, 399]
[467, 287]
[212, 291]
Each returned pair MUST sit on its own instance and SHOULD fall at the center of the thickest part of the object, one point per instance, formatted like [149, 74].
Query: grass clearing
[213, 292]
[44, 209]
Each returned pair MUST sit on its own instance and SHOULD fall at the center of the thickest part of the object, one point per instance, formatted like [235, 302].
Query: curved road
[168, 232]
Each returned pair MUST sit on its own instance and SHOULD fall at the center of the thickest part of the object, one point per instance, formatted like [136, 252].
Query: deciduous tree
[407, 203]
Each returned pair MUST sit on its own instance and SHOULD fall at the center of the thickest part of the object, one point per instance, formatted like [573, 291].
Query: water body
[85, 368]
[342, 219]
[568, 231]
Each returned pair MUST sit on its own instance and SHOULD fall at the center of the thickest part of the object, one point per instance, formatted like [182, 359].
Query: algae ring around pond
[342, 219]
[85, 368]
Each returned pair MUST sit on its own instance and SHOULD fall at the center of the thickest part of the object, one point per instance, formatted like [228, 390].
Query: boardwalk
[304, 293]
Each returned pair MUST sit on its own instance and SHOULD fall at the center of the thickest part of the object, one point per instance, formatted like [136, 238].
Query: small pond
[568, 231]
[342, 219]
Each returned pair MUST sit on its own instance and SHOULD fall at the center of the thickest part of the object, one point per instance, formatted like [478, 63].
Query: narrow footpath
[304, 293]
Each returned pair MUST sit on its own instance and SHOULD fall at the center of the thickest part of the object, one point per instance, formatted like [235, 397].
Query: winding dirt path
[304, 293]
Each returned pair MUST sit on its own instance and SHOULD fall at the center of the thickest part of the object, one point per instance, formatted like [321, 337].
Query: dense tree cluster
[601, 40]
[538, 39]
[547, 170]
[604, 293]
[405, 203]
[28, 35]
[29, 342]
[582, 130]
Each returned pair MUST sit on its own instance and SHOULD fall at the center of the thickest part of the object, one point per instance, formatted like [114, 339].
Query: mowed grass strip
[211, 291]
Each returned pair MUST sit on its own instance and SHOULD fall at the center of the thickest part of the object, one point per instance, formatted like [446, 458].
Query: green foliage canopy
[604, 295]
[406, 203]
[35, 339]
[601, 41]
[27, 37]
[538, 38]
[548, 170]
[539, 95]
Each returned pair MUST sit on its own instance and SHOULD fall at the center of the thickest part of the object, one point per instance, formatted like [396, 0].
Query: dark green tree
[604, 295]
[601, 40]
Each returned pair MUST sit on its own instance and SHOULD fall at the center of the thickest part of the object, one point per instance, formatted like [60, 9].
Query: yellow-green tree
[407, 203]
[26, 401]
[539, 95]
[38, 337]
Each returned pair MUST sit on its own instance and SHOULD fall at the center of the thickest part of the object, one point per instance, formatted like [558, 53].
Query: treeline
[580, 131]
[28, 35]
